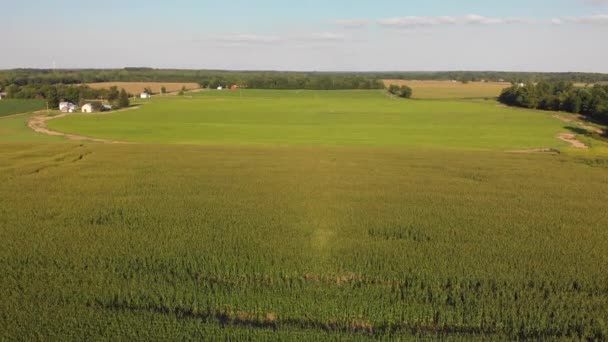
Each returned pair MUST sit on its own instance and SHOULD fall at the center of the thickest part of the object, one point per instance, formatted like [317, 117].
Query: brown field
[451, 90]
[138, 87]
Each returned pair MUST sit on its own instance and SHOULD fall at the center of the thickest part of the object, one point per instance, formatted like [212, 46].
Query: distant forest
[274, 79]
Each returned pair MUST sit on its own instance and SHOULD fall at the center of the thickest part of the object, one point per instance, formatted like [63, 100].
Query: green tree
[52, 97]
[123, 99]
[405, 92]
[113, 94]
[393, 89]
[163, 90]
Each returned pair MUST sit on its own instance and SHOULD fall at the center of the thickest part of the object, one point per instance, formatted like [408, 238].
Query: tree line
[560, 96]
[276, 79]
[206, 78]
[80, 94]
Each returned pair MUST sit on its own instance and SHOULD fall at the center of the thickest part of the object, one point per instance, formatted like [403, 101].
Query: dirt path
[572, 140]
[535, 150]
[38, 124]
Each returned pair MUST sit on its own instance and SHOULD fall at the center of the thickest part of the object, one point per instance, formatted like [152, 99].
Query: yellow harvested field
[138, 87]
[451, 90]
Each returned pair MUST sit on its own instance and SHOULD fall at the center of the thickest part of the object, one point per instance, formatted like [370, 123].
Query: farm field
[452, 90]
[163, 241]
[138, 87]
[362, 118]
[11, 107]
[303, 215]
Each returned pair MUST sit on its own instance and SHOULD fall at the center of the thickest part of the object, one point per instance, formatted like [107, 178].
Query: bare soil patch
[572, 140]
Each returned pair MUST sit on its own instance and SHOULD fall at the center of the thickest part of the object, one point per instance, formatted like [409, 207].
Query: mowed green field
[10, 107]
[361, 118]
[325, 235]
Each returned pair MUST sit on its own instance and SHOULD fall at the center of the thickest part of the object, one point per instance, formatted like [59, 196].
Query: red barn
[234, 87]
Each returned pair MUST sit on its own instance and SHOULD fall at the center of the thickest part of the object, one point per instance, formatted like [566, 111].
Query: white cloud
[352, 23]
[412, 21]
[325, 36]
[599, 19]
[250, 38]
[471, 19]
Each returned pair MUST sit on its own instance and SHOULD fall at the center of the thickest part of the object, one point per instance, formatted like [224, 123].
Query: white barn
[145, 96]
[2, 96]
[67, 107]
[88, 108]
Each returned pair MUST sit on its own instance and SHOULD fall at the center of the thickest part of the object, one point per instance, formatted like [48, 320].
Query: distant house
[234, 87]
[67, 107]
[106, 108]
[145, 96]
[2, 96]
[220, 88]
[88, 108]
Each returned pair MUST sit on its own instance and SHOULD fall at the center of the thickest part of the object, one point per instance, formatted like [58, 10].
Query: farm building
[145, 96]
[106, 107]
[67, 107]
[2, 96]
[220, 88]
[88, 108]
[234, 87]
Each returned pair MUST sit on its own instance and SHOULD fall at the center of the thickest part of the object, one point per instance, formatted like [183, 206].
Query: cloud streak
[244, 39]
[599, 19]
[249, 38]
[471, 19]
[352, 23]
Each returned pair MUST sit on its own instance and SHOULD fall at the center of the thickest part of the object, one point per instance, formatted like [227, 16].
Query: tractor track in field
[38, 124]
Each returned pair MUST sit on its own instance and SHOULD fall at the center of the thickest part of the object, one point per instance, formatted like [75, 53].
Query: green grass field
[15, 129]
[295, 215]
[10, 107]
[362, 118]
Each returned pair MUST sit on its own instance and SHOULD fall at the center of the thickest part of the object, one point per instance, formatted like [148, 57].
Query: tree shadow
[577, 130]
[594, 135]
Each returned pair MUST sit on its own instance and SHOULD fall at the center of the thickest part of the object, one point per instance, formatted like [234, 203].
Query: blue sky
[543, 35]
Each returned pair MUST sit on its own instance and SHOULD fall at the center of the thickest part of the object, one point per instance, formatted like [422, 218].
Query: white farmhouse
[2, 96]
[88, 108]
[67, 107]
[220, 88]
[145, 96]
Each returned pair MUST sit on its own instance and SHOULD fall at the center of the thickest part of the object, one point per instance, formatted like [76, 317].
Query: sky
[308, 35]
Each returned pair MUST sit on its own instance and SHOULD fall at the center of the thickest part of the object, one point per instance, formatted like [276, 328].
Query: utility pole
[47, 108]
